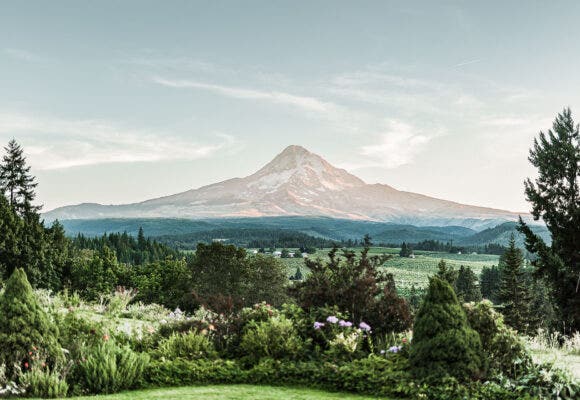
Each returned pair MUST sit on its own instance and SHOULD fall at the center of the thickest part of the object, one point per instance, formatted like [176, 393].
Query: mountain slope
[298, 183]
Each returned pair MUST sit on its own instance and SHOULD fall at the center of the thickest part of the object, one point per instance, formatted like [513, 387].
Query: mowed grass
[227, 392]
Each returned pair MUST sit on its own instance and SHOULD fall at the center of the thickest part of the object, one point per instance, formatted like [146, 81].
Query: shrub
[191, 345]
[357, 286]
[24, 324]
[443, 343]
[503, 349]
[108, 368]
[181, 372]
[276, 338]
[45, 382]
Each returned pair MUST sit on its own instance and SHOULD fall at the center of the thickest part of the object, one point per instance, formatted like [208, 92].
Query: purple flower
[364, 326]
[332, 319]
[394, 349]
[318, 325]
[344, 324]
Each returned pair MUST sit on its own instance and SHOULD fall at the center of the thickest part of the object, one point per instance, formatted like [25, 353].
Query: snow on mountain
[297, 182]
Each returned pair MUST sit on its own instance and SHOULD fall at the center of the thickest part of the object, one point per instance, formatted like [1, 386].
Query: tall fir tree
[490, 283]
[555, 198]
[513, 293]
[466, 285]
[16, 182]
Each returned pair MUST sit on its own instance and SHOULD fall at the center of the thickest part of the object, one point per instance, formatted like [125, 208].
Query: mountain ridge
[297, 182]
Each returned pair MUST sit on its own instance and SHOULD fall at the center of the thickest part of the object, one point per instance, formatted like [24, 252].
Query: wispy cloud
[56, 143]
[304, 102]
[23, 55]
[468, 62]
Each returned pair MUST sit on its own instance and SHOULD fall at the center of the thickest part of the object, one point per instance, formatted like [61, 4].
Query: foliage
[128, 249]
[504, 351]
[490, 282]
[406, 250]
[513, 293]
[109, 368]
[166, 282]
[275, 338]
[355, 285]
[25, 325]
[555, 198]
[466, 286]
[190, 345]
[16, 183]
[45, 382]
[448, 274]
[443, 343]
[225, 279]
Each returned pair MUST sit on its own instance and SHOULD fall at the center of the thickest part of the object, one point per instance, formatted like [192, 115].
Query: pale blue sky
[120, 101]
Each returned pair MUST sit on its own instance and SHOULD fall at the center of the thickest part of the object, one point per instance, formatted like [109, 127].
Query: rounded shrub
[504, 351]
[275, 338]
[191, 345]
[443, 343]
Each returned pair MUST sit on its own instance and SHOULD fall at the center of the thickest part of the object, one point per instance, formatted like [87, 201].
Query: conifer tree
[448, 274]
[443, 343]
[466, 285]
[24, 325]
[489, 283]
[15, 180]
[513, 292]
[555, 198]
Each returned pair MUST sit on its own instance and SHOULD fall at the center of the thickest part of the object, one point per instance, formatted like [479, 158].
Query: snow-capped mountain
[297, 182]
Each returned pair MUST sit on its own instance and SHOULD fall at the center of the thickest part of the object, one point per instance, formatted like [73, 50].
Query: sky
[123, 101]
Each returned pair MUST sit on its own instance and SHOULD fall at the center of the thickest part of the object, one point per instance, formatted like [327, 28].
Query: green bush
[504, 351]
[191, 345]
[45, 382]
[181, 372]
[443, 343]
[275, 338]
[25, 325]
[108, 368]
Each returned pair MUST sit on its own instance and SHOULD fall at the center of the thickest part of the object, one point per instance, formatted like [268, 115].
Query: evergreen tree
[24, 325]
[448, 274]
[466, 285]
[555, 198]
[405, 250]
[298, 274]
[443, 343]
[15, 180]
[513, 292]
[490, 283]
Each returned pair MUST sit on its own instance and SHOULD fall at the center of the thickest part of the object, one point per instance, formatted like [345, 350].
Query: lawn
[226, 392]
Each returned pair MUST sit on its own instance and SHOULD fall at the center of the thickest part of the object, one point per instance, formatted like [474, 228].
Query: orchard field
[409, 271]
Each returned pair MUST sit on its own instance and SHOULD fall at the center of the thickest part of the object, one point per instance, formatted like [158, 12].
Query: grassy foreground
[227, 392]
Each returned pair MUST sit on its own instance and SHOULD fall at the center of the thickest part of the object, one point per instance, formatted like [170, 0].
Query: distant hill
[241, 231]
[501, 235]
[298, 183]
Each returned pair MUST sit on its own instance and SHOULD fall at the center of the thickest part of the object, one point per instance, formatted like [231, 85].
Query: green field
[411, 271]
[230, 392]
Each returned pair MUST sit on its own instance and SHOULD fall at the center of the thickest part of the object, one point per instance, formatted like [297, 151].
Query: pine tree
[15, 180]
[24, 325]
[555, 198]
[466, 285]
[489, 283]
[513, 292]
[443, 343]
[449, 275]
